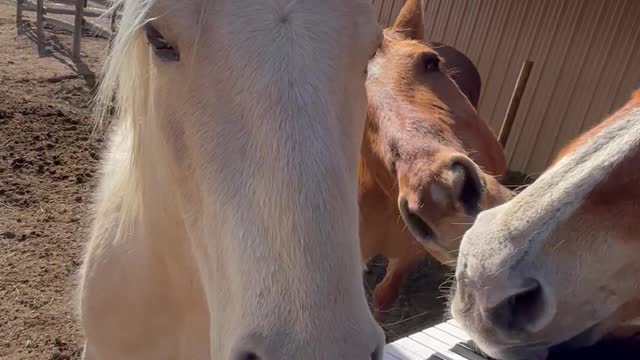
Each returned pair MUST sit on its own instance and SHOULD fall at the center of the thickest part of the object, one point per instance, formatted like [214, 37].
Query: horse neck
[615, 201]
[373, 174]
[565, 187]
[614, 207]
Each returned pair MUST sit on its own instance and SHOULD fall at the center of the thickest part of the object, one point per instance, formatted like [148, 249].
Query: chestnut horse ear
[409, 22]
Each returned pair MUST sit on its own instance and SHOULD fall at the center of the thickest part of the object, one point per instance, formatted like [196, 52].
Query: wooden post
[77, 29]
[19, 17]
[114, 19]
[514, 103]
[40, 23]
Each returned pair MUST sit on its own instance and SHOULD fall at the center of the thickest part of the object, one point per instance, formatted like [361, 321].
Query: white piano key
[443, 336]
[437, 334]
[450, 329]
[454, 323]
[401, 353]
[436, 341]
[436, 344]
[391, 350]
[416, 355]
[388, 356]
[418, 348]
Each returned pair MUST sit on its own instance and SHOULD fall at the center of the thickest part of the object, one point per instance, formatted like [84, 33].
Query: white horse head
[226, 219]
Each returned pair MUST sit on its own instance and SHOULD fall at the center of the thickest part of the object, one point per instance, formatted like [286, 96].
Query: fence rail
[79, 9]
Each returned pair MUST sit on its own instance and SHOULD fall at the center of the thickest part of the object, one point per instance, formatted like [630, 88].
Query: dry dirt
[48, 163]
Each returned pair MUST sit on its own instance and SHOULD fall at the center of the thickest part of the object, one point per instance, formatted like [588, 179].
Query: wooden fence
[79, 9]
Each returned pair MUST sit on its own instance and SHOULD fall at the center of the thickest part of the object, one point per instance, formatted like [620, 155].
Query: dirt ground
[48, 164]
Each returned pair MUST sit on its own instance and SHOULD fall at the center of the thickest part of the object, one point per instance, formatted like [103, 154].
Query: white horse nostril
[251, 347]
[378, 354]
[527, 310]
[246, 355]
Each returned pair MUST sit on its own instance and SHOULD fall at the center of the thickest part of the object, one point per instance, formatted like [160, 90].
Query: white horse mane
[121, 73]
[122, 97]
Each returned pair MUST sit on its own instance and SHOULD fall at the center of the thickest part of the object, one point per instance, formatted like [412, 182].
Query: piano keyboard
[445, 341]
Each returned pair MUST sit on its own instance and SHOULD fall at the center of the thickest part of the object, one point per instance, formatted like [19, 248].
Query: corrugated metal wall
[586, 56]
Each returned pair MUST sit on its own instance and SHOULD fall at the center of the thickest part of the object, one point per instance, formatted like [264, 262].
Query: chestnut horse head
[425, 147]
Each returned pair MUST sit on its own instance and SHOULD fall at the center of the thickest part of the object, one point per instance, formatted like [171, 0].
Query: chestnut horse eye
[161, 47]
[373, 54]
[431, 62]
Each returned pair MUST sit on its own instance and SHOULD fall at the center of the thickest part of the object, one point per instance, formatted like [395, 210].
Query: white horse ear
[410, 20]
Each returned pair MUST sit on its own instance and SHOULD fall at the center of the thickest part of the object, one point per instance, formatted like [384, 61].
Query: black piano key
[439, 356]
[466, 352]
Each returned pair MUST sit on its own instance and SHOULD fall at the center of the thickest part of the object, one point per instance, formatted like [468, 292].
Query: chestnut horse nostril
[468, 185]
[418, 227]
[523, 311]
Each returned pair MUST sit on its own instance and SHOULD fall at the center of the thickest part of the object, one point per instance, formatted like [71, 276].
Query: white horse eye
[161, 47]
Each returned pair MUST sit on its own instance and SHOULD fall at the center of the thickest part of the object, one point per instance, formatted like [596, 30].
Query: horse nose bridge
[492, 274]
[485, 245]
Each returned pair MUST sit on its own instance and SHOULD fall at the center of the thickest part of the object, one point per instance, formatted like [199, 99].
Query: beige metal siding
[586, 56]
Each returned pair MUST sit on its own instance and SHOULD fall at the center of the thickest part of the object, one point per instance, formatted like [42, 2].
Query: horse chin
[559, 351]
[435, 248]
[517, 353]
[586, 338]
